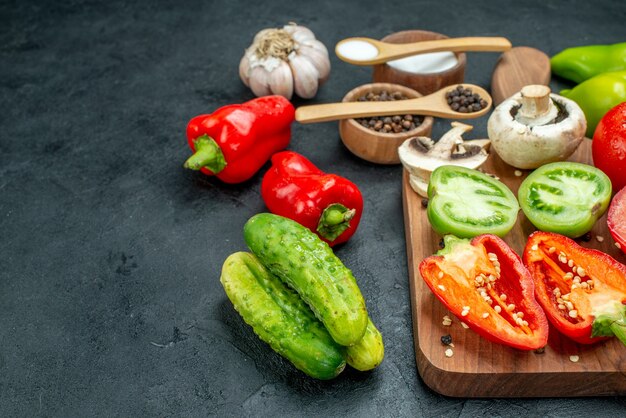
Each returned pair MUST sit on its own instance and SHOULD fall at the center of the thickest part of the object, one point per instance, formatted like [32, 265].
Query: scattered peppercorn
[446, 339]
[424, 203]
[464, 100]
[388, 124]
[586, 237]
[442, 243]
[540, 350]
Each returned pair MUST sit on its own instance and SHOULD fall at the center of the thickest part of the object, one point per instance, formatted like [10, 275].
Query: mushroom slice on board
[420, 155]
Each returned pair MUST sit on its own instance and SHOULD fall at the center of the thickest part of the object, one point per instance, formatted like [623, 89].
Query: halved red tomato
[617, 219]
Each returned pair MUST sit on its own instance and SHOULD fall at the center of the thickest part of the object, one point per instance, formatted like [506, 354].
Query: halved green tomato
[565, 197]
[467, 203]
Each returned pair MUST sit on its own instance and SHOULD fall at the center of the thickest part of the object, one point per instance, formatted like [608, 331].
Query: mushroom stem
[537, 107]
[451, 138]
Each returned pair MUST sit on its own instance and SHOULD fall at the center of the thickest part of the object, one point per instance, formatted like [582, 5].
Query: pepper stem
[619, 330]
[207, 155]
[334, 221]
[610, 321]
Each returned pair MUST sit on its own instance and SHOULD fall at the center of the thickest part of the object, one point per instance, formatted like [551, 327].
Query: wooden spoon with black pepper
[437, 104]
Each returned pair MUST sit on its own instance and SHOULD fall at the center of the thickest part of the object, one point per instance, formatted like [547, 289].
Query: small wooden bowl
[425, 83]
[373, 146]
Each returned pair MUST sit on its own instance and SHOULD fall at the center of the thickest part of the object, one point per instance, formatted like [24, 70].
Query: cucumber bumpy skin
[368, 353]
[308, 265]
[280, 318]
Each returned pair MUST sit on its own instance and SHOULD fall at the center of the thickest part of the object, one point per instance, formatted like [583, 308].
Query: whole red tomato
[609, 145]
[616, 219]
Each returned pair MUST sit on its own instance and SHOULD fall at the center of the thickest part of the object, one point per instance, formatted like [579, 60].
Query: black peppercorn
[464, 100]
[388, 124]
[446, 339]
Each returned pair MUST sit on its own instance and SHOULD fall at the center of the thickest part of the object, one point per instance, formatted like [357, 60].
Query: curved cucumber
[280, 318]
[368, 353]
[308, 265]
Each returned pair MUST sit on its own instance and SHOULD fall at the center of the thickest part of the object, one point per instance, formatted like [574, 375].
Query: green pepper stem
[619, 330]
[610, 320]
[207, 154]
[334, 221]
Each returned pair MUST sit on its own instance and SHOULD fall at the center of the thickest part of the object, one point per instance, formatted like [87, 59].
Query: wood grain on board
[517, 68]
[479, 368]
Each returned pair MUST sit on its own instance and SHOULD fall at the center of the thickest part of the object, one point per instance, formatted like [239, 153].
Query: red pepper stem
[619, 330]
[207, 155]
[611, 321]
[334, 221]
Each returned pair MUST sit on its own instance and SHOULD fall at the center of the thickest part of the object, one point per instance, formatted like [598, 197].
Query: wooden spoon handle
[389, 51]
[421, 106]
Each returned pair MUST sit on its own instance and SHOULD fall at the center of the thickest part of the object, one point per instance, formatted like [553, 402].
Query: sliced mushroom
[420, 156]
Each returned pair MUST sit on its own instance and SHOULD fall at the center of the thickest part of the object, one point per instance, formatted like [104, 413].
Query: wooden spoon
[376, 52]
[434, 104]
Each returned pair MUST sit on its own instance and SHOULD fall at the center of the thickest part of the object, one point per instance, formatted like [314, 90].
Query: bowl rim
[461, 57]
[424, 126]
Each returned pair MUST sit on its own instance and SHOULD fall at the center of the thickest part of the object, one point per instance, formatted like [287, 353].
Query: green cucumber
[280, 318]
[308, 265]
[368, 353]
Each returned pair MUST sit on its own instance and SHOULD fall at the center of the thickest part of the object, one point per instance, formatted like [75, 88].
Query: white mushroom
[420, 155]
[534, 127]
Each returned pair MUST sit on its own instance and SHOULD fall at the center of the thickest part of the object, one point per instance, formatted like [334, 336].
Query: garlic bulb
[284, 61]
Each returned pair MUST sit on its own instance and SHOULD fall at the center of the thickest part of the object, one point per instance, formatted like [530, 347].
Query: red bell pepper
[236, 140]
[582, 291]
[484, 284]
[327, 204]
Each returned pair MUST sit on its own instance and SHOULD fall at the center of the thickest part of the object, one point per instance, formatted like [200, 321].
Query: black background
[110, 252]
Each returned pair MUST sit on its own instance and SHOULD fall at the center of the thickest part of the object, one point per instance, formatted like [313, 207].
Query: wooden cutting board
[516, 68]
[479, 368]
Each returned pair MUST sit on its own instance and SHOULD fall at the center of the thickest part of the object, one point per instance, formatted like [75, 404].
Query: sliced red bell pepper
[484, 284]
[327, 204]
[236, 140]
[582, 291]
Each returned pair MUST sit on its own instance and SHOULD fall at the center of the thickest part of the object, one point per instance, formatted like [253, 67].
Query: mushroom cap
[530, 147]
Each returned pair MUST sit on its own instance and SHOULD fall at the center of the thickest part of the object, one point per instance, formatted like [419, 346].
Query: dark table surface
[110, 301]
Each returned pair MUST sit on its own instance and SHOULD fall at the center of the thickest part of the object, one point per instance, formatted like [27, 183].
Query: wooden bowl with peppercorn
[425, 73]
[376, 139]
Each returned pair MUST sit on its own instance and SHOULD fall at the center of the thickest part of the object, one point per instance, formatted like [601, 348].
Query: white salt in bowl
[431, 72]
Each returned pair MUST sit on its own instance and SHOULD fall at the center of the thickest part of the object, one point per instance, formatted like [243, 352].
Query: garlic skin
[285, 61]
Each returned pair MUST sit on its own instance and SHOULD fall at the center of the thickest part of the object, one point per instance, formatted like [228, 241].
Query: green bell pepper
[583, 62]
[598, 95]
